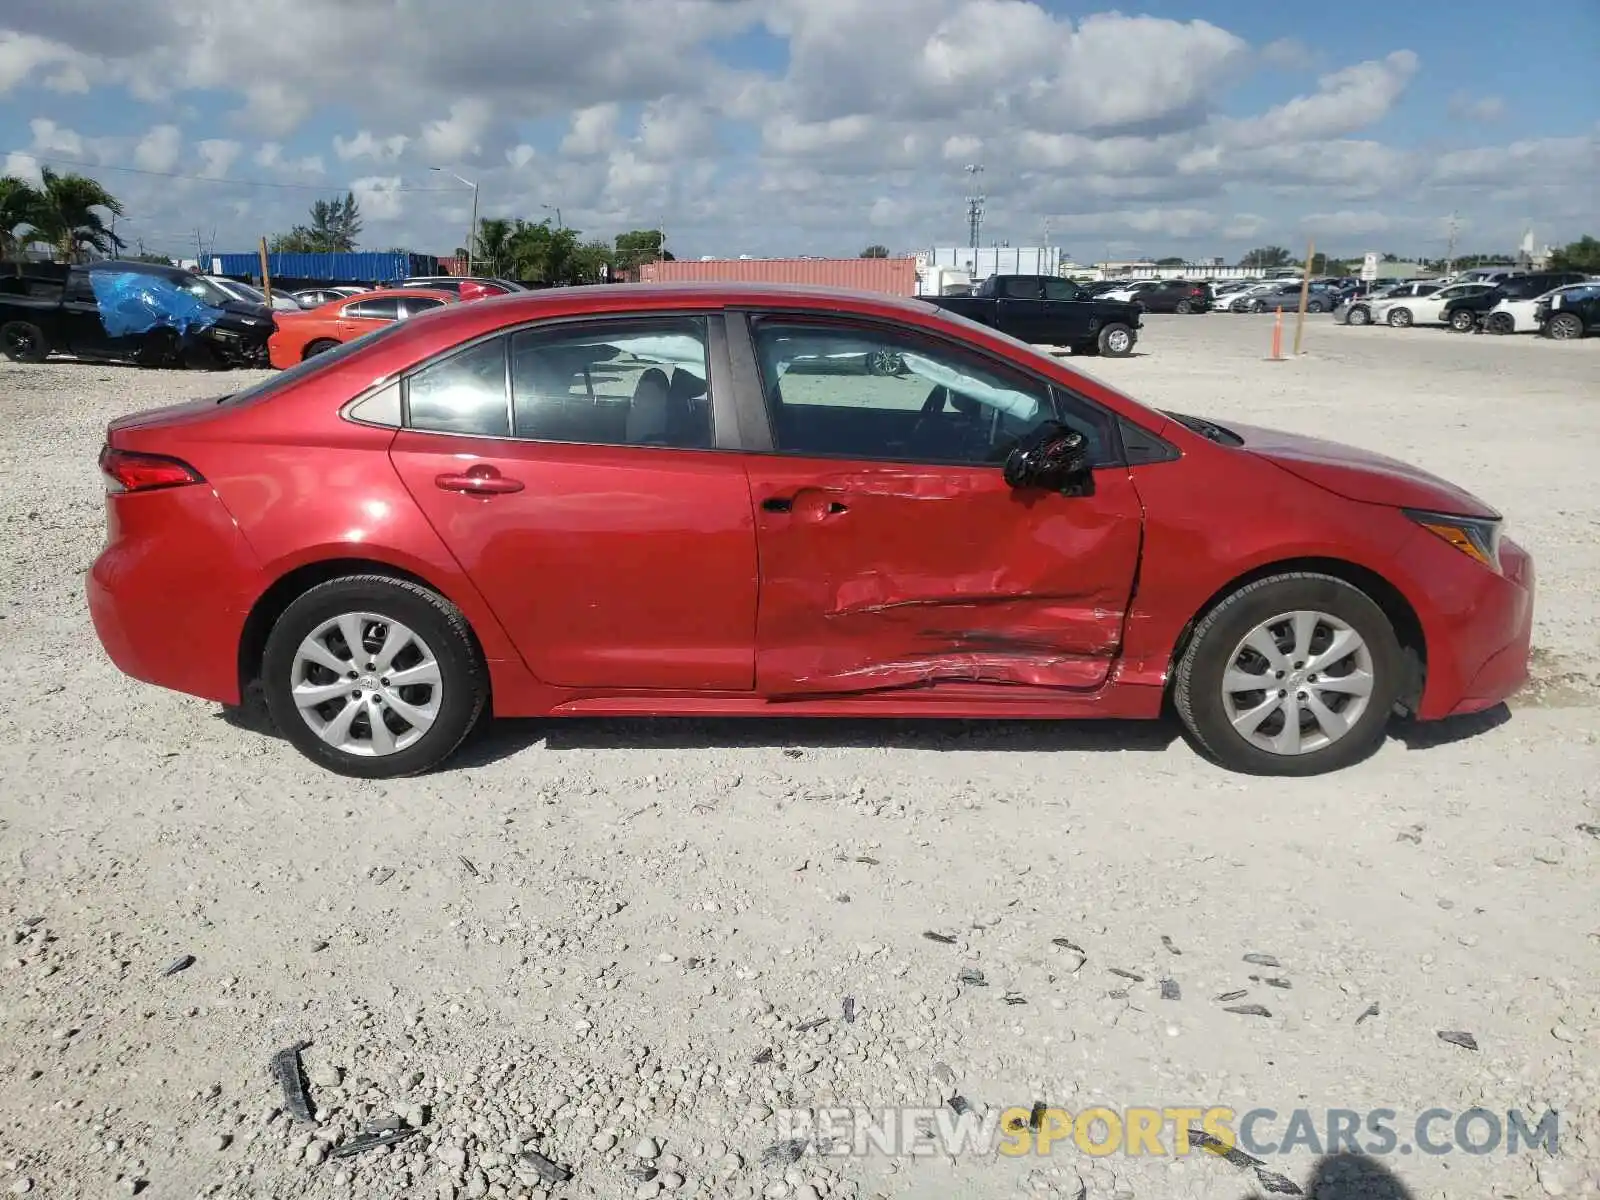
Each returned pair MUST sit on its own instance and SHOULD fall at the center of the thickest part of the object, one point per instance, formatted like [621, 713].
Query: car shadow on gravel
[1347, 1176]
[1428, 735]
[504, 738]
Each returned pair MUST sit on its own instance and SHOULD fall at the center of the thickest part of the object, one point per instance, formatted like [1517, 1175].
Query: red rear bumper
[169, 593]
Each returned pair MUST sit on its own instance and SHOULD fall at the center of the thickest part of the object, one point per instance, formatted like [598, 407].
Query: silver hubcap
[1297, 683]
[1117, 340]
[366, 684]
[1563, 328]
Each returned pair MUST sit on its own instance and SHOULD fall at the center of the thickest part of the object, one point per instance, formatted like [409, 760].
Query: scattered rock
[1457, 1038]
[1262, 960]
[1249, 1010]
[647, 1149]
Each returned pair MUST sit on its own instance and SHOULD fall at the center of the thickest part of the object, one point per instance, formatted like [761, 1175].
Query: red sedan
[737, 499]
[303, 335]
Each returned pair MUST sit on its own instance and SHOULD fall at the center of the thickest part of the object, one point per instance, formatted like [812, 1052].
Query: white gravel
[650, 905]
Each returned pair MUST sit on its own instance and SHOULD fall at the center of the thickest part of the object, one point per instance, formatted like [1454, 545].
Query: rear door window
[1020, 287]
[384, 309]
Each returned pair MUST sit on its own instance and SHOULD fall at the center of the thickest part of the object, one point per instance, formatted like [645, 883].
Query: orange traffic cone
[1277, 336]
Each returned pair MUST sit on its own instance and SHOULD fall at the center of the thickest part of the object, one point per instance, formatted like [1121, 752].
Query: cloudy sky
[820, 126]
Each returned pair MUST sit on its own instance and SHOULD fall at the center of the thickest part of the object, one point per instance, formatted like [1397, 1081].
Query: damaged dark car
[143, 313]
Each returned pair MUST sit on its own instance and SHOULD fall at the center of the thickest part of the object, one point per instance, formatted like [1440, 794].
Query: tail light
[127, 471]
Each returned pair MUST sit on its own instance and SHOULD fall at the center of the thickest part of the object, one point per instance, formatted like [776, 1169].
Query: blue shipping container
[357, 267]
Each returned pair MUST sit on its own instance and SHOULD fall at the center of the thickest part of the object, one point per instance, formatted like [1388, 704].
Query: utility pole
[975, 200]
[1450, 246]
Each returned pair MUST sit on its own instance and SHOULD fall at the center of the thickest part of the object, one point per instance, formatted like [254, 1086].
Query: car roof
[611, 297]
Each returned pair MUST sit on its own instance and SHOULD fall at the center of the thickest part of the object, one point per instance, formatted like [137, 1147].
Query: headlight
[1476, 537]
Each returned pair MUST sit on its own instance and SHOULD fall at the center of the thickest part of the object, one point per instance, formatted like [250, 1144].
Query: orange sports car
[301, 335]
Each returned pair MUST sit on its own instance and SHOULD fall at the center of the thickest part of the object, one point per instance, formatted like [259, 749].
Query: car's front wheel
[373, 677]
[1359, 316]
[1564, 327]
[1296, 674]
[1115, 341]
[1400, 318]
[1462, 320]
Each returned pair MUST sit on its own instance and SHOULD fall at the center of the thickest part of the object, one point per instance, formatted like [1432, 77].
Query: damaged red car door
[892, 551]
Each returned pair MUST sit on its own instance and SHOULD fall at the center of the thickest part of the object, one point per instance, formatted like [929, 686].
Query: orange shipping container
[898, 276]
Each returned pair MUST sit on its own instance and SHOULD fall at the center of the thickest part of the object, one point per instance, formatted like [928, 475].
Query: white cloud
[50, 138]
[158, 150]
[1468, 106]
[457, 136]
[1288, 54]
[21, 55]
[1345, 101]
[22, 166]
[69, 79]
[217, 156]
[366, 145]
[593, 131]
[379, 196]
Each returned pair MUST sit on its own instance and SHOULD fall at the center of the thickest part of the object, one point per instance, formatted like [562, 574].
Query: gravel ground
[608, 942]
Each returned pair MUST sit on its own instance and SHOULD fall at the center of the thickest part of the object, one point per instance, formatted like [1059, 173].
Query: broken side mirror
[1053, 457]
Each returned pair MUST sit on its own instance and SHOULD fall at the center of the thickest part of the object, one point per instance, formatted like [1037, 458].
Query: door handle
[480, 480]
[777, 504]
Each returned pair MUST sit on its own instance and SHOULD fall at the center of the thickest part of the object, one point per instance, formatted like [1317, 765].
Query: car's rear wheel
[1185, 307]
[23, 341]
[1462, 320]
[1316, 306]
[373, 677]
[1501, 323]
[1359, 316]
[1115, 341]
[320, 346]
[1400, 318]
[1564, 327]
[1295, 674]
[1258, 306]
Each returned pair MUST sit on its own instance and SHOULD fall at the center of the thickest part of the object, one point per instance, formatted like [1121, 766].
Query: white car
[1516, 316]
[1402, 311]
[250, 295]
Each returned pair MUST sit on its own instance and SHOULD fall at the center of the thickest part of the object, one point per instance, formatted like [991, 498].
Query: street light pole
[472, 230]
[560, 224]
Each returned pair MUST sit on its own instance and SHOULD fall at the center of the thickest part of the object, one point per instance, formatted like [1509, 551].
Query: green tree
[335, 225]
[493, 248]
[875, 251]
[640, 246]
[1173, 261]
[1267, 257]
[19, 202]
[1581, 255]
[64, 215]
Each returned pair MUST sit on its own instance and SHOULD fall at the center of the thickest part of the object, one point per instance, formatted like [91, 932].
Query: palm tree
[64, 215]
[19, 201]
[494, 244]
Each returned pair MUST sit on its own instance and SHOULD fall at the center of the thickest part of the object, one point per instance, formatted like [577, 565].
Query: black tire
[1185, 307]
[320, 346]
[1115, 340]
[463, 677]
[1462, 320]
[1197, 678]
[1501, 323]
[1360, 315]
[1316, 306]
[24, 342]
[1400, 318]
[1258, 306]
[1564, 327]
[159, 348]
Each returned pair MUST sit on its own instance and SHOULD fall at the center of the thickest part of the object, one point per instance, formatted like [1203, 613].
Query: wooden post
[1277, 335]
[266, 278]
[1305, 295]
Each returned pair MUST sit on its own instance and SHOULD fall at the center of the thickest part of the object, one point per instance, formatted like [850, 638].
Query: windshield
[205, 290]
[244, 289]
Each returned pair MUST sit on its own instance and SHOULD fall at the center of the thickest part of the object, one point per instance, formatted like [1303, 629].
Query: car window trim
[1114, 457]
[716, 368]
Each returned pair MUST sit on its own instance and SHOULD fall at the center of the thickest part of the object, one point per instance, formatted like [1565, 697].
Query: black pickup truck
[1049, 311]
[128, 311]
